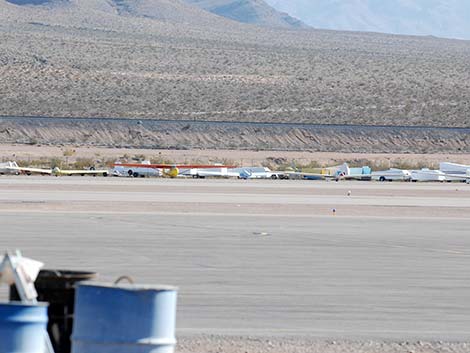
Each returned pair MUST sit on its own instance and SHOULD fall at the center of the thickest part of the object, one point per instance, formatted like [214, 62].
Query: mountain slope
[442, 18]
[164, 10]
[249, 11]
[108, 13]
[99, 58]
[194, 12]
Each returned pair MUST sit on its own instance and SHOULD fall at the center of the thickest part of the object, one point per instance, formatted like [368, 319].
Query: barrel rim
[61, 274]
[23, 304]
[129, 286]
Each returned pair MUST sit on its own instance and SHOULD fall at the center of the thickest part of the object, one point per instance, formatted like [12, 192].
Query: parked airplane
[255, 173]
[312, 174]
[392, 174]
[143, 171]
[240, 173]
[427, 174]
[339, 172]
[454, 168]
[347, 173]
[170, 170]
[298, 174]
[204, 173]
[455, 172]
[320, 174]
[6, 168]
[57, 171]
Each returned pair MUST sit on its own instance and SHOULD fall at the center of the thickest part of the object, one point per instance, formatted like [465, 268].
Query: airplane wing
[57, 171]
[210, 173]
[81, 172]
[172, 166]
[355, 177]
[27, 170]
[458, 177]
[303, 175]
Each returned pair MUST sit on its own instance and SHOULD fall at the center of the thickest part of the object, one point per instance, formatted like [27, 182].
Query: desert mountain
[249, 11]
[112, 13]
[442, 18]
[171, 11]
[167, 59]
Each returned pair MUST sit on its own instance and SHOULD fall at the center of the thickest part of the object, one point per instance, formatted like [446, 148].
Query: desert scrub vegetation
[166, 71]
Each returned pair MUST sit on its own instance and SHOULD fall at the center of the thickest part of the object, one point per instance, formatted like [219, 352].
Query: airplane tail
[245, 174]
[294, 167]
[343, 171]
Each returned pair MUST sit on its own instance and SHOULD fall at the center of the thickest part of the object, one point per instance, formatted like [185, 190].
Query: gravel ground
[238, 344]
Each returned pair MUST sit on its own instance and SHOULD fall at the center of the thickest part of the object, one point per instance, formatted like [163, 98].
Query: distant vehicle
[392, 174]
[426, 174]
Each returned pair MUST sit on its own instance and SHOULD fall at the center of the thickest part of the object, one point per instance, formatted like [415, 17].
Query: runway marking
[327, 214]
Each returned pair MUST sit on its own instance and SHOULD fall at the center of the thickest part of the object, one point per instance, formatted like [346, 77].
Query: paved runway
[247, 269]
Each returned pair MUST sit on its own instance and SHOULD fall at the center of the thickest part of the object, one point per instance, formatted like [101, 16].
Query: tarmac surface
[263, 258]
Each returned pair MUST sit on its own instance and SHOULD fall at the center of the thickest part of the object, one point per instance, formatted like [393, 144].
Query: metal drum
[57, 287]
[23, 328]
[124, 319]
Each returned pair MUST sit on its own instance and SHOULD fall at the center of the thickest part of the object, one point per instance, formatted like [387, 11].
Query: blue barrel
[124, 319]
[23, 327]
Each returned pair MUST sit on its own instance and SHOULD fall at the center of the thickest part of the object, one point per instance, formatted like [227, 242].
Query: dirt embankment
[185, 135]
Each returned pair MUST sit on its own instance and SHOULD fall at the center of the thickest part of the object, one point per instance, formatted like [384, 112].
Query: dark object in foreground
[57, 287]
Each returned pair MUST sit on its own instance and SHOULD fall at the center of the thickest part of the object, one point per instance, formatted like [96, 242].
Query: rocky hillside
[191, 12]
[256, 12]
[123, 15]
[166, 59]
